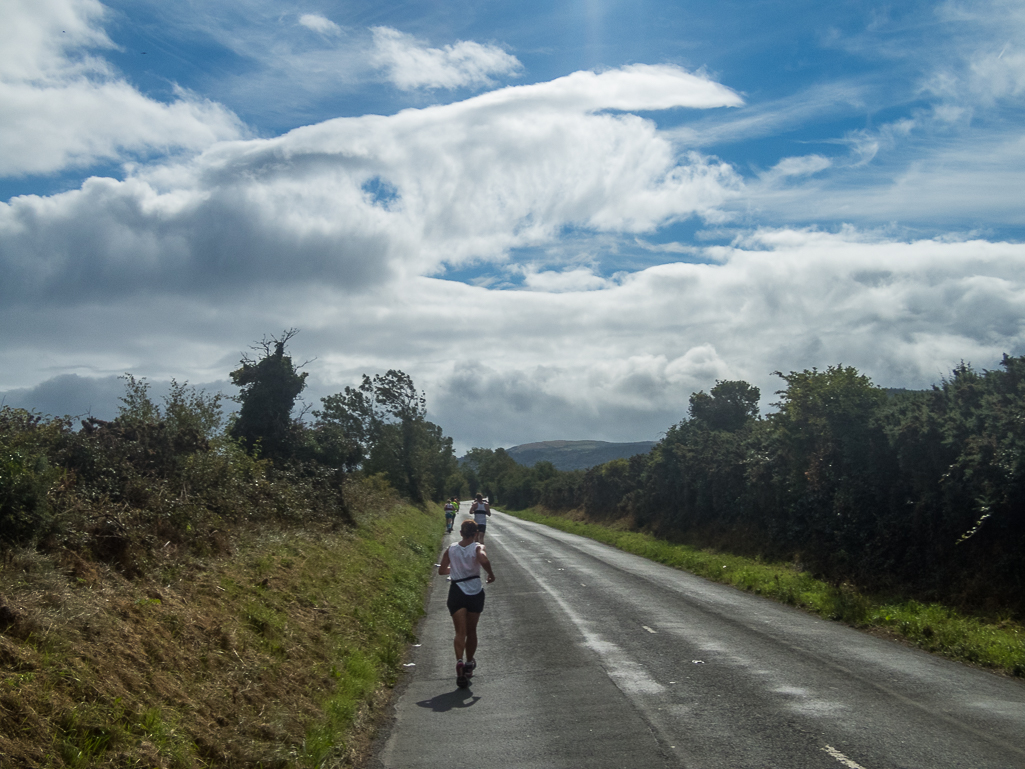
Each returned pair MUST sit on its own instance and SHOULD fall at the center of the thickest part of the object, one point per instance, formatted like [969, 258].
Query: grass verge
[273, 656]
[933, 627]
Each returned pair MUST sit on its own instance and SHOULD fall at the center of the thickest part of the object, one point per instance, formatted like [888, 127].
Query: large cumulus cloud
[348, 229]
[616, 362]
[620, 362]
[353, 202]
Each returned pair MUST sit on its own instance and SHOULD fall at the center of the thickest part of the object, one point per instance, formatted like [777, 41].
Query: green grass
[391, 562]
[279, 654]
[933, 627]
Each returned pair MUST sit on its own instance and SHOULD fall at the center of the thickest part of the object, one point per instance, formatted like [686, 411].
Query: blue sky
[560, 218]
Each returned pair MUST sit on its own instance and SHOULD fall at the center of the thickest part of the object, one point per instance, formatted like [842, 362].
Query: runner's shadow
[460, 698]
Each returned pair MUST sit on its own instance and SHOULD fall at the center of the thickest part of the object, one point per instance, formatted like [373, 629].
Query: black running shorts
[457, 600]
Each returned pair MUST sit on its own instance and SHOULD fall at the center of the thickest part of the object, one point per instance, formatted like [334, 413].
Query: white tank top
[464, 564]
[480, 515]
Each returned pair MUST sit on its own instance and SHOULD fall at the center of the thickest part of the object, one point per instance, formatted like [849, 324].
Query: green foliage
[136, 404]
[729, 406]
[560, 491]
[187, 409]
[353, 417]
[269, 388]
[830, 464]
[496, 475]
[606, 487]
[381, 427]
[922, 492]
[153, 476]
[394, 554]
[27, 475]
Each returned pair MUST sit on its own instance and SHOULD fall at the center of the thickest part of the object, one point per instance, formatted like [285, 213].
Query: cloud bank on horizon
[560, 226]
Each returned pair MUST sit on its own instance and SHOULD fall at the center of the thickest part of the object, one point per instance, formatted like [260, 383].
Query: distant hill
[576, 455]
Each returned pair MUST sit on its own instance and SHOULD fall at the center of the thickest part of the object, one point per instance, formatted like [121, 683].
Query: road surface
[591, 657]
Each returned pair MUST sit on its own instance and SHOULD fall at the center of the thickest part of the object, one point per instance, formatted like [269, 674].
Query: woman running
[464, 560]
[481, 510]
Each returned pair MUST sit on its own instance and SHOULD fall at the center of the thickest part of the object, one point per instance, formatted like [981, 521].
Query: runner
[450, 515]
[464, 560]
[481, 510]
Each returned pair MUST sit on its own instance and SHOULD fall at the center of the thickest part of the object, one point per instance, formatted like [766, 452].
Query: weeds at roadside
[267, 656]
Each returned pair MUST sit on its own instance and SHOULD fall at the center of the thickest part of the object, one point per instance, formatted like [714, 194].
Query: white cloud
[805, 165]
[617, 363]
[627, 358]
[320, 24]
[948, 185]
[466, 181]
[503, 367]
[629, 88]
[983, 63]
[769, 118]
[951, 159]
[998, 75]
[41, 37]
[334, 227]
[61, 107]
[411, 64]
[574, 279]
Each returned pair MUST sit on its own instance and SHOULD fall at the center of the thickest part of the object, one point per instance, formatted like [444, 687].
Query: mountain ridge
[576, 455]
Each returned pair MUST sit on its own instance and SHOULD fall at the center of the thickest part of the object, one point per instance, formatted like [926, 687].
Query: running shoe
[469, 667]
[461, 680]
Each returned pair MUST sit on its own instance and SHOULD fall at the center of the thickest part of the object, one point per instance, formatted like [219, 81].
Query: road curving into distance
[592, 657]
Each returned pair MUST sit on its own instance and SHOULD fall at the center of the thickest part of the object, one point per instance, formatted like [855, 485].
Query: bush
[27, 476]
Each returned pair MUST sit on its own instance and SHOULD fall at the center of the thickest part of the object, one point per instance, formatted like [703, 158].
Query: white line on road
[842, 758]
[627, 674]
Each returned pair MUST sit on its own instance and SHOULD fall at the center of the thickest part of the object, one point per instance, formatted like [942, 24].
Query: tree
[269, 388]
[729, 406]
[493, 470]
[385, 420]
[186, 408]
[833, 462]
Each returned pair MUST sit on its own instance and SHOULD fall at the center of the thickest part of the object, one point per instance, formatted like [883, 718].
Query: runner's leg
[470, 624]
[459, 619]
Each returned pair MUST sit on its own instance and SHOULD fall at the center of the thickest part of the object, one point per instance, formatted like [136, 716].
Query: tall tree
[385, 419]
[729, 406]
[269, 387]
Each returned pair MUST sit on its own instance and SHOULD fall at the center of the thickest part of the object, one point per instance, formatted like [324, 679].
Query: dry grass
[269, 656]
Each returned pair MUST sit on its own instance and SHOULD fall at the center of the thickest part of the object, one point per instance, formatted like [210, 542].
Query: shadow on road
[460, 698]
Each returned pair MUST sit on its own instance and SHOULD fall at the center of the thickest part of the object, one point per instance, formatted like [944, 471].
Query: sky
[561, 219]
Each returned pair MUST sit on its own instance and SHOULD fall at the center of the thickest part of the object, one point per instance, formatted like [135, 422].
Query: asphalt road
[591, 657]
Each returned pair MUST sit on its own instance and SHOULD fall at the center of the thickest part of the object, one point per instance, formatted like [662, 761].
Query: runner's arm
[445, 566]
[482, 559]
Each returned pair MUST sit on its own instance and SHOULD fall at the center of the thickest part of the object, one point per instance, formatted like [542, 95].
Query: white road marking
[648, 629]
[626, 673]
[842, 758]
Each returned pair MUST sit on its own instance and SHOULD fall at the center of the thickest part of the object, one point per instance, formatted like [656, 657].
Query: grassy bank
[998, 645]
[271, 656]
